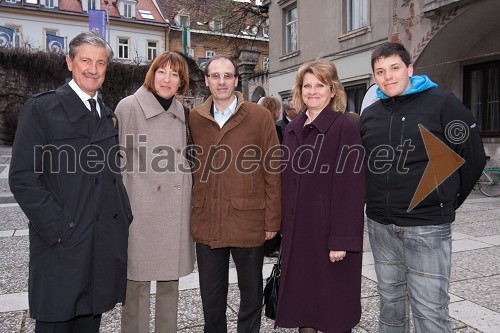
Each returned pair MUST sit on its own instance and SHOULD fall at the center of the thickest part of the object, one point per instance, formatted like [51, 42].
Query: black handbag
[271, 290]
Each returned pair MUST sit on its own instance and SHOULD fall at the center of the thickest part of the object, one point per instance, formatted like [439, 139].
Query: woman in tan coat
[158, 180]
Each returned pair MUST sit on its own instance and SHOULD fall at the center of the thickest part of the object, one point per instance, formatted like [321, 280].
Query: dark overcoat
[64, 176]
[323, 190]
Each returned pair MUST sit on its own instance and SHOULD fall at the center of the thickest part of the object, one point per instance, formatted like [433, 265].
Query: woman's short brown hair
[176, 62]
[326, 72]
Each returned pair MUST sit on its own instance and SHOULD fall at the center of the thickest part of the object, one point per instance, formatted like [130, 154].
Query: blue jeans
[413, 266]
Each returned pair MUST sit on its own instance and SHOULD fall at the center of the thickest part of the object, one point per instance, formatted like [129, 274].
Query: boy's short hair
[390, 49]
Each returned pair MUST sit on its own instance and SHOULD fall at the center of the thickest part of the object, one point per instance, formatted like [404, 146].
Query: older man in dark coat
[65, 178]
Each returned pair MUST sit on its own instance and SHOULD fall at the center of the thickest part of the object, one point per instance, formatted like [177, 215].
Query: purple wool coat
[323, 191]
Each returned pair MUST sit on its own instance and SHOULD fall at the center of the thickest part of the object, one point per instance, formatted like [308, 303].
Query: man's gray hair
[89, 37]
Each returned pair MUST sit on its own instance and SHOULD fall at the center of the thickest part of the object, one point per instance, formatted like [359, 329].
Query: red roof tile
[71, 6]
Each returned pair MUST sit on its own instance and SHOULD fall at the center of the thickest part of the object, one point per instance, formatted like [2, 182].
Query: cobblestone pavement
[475, 286]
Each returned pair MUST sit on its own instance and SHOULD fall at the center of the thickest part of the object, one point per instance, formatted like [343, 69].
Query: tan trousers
[135, 310]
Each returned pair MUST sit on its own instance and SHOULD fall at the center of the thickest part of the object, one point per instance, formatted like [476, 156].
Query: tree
[237, 18]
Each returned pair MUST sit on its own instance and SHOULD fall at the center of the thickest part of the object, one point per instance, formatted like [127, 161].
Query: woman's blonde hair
[326, 72]
[176, 62]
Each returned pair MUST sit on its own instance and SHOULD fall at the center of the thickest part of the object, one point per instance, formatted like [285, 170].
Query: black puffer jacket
[396, 156]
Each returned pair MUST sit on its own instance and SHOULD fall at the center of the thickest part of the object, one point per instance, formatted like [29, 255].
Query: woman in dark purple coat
[323, 198]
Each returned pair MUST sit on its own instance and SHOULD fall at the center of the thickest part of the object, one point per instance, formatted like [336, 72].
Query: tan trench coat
[160, 245]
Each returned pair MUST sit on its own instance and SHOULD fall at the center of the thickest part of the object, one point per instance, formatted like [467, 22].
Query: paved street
[475, 286]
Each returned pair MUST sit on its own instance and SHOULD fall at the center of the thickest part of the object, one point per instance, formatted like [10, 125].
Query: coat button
[115, 216]
[95, 180]
[178, 150]
[178, 186]
[71, 225]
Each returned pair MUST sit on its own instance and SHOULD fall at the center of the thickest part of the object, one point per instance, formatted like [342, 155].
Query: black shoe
[274, 254]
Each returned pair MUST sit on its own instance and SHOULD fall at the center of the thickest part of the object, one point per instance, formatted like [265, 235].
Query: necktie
[93, 108]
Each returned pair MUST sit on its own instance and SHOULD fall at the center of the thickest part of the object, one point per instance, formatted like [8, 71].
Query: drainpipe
[167, 37]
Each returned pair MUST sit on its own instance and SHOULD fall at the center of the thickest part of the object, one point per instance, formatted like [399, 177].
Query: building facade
[455, 42]
[136, 30]
[231, 28]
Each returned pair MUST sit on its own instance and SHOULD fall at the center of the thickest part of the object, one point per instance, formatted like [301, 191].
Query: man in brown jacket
[236, 196]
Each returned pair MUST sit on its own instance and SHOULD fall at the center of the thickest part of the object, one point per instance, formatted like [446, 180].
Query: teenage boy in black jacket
[410, 230]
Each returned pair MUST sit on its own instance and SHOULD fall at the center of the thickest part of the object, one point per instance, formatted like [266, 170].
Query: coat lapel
[74, 108]
[152, 108]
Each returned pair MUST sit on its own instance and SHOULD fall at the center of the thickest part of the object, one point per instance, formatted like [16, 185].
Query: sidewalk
[475, 287]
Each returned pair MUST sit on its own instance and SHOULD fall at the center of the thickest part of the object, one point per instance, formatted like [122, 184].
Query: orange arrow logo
[442, 163]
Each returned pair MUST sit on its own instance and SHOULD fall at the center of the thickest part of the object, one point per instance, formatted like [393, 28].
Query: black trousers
[213, 269]
[80, 324]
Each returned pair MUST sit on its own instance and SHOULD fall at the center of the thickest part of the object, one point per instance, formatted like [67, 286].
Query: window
[123, 48]
[33, 2]
[146, 14]
[265, 64]
[49, 3]
[12, 1]
[291, 25]
[92, 4]
[152, 50]
[355, 94]
[357, 14]
[209, 54]
[215, 25]
[482, 95]
[16, 41]
[127, 10]
[184, 21]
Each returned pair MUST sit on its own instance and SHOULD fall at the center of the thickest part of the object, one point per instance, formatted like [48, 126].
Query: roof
[145, 10]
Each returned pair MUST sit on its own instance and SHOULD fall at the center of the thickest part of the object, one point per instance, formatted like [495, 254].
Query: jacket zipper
[402, 131]
[387, 174]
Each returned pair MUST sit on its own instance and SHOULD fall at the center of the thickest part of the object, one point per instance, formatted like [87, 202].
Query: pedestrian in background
[412, 247]
[236, 204]
[160, 244]
[272, 104]
[272, 246]
[289, 114]
[64, 180]
[323, 189]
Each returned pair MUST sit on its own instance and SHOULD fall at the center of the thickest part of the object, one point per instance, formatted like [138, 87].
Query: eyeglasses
[217, 76]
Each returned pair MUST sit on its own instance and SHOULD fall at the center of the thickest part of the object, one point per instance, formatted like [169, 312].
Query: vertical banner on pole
[97, 22]
[54, 43]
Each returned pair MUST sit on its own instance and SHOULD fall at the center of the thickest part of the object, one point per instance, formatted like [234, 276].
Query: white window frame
[186, 18]
[209, 54]
[123, 48]
[216, 25]
[357, 14]
[127, 10]
[50, 3]
[93, 4]
[291, 29]
[11, 1]
[151, 51]
[17, 34]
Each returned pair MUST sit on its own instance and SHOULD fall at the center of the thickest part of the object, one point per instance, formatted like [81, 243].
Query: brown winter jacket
[235, 199]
